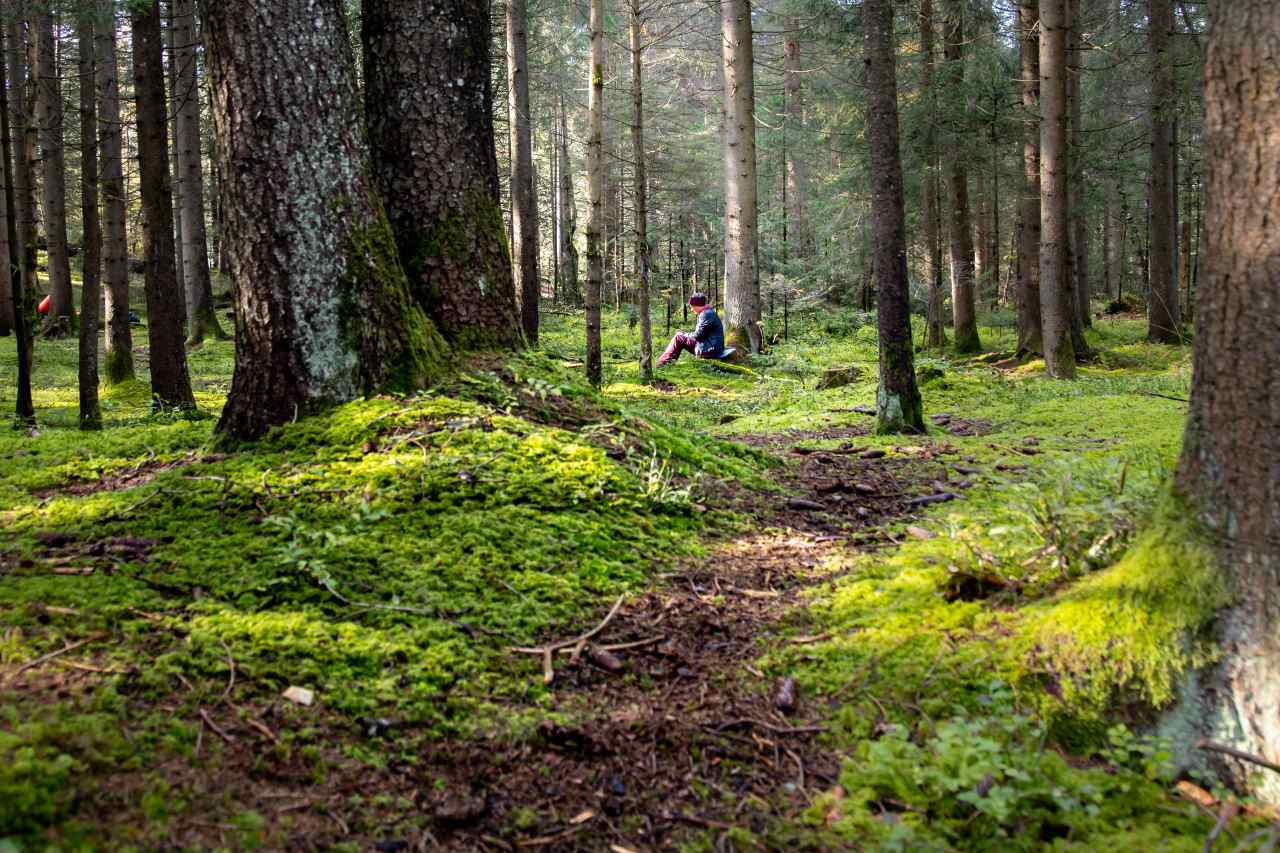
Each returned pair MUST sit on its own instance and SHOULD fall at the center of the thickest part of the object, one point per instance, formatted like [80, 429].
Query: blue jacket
[709, 333]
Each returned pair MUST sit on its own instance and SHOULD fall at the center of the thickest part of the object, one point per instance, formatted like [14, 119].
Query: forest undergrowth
[826, 638]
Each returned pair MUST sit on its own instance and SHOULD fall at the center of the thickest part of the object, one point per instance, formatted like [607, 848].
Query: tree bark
[569, 288]
[963, 306]
[796, 187]
[10, 306]
[49, 120]
[1162, 309]
[524, 206]
[324, 308]
[115, 249]
[1079, 221]
[429, 107]
[13, 168]
[642, 193]
[1056, 306]
[935, 327]
[170, 382]
[1030, 331]
[983, 265]
[202, 320]
[1231, 453]
[741, 278]
[595, 189]
[898, 404]
[91, 269]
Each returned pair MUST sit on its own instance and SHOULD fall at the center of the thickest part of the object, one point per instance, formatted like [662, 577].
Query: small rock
[920, 532]
[838, 377]
[606, 660]
[391, 845]
[459, 810]
[864, 488]
[728, 419]
[804, 504]
[785, 697]
[873, 454]
[299, 695]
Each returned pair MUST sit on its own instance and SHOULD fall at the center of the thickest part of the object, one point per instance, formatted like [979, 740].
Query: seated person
[707, 340]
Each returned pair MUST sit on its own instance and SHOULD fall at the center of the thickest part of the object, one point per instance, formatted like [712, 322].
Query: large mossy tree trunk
[595, 189]
[931, 203]
[91, 269]
[115, 250]
[49, 119]
[1030, 338]
[1230, 465]
[429, 107]
[963, 305]
[524, 205]
[1056, 306]
[324, 312]
[166, 309]
[1162, 307]
[898, 405]
[741, 229]
[16, 270]
[202, 319]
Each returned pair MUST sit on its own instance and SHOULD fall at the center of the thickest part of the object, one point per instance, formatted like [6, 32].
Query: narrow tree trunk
[898, 404]
[796, 179]
[983, 265]
[429, 108]
[1056, 306]
[13, 167]
[1230, 454]
[1079, 221]
[1162, 311]
[642, 194]
[202, 319]
[115, 249]
[1030, 333]
[524, 205]
[10, 306]
[595, 189]
[568, 218]
[49, 120]
[170, 382]
[963, 306]
[325, 311]
[742, 282]
[91, 269]
[935, 327]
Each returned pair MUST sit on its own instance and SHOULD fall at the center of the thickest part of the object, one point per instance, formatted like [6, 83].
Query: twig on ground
[577, 643]
[208, 721]
[1238, 753]
[231, 662]
[1164, 396]
[778, 730]
[51, 655]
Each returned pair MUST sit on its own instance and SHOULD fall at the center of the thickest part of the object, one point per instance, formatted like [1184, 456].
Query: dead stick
[612, 647]
[51, 655]
[1240, 754]
[204, 715]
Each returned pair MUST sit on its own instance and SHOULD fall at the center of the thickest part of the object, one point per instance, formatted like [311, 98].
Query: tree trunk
[1230, 455]
[49, 120]
[115, 249]
[91, 270]
[898, 404]
[13, 168]
[796, 181]
[524, 205]
[595, 189]
[965, 321]
[324, 308]
[429, 107]
[1079, 222]
[202, 319]
[1056, 306]
[983, 265]
[741, 278]
[1162, 309]
[642, 194]
[10, 306]
[568, 249]
[935, 327]
[1030, 331]
[170, 382]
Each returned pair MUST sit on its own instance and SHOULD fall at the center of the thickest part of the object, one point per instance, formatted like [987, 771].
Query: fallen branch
[777, 730]
[51, 655]
[1240, 754]
[577, 644]
[208, 721]
[941, 497]
[1164, 396]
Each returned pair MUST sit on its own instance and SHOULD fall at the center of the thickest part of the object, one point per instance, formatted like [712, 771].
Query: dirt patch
[126, 478]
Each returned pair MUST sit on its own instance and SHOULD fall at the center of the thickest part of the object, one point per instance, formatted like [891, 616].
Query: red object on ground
[43, 308]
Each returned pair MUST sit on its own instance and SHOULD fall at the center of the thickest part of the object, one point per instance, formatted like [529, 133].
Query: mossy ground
[386, 553]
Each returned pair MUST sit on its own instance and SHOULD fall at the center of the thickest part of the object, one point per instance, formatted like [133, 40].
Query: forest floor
[710, 613]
